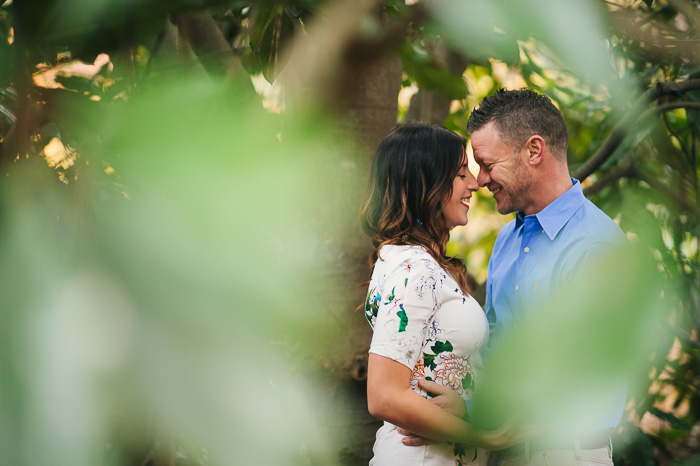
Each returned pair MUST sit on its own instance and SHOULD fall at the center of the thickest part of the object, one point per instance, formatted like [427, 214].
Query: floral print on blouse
[422, 320]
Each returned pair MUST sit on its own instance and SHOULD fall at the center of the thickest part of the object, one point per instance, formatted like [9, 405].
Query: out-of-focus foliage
[171, 298]
[567, 352]
[162, 234]
[161, 254]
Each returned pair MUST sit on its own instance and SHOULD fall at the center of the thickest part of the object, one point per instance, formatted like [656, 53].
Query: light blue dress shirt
[536, 254]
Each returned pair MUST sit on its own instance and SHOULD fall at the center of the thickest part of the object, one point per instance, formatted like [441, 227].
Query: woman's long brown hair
[411, 177]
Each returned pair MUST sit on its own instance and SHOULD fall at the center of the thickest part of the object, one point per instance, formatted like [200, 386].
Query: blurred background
[180, 260]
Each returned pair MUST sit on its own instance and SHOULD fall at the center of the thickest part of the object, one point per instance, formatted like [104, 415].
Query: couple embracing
[429, 332]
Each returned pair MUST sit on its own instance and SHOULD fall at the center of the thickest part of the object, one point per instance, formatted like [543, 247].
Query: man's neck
[550, 190]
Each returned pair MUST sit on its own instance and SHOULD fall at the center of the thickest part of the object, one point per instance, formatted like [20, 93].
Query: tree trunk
[329, 68]
[428, 105]
[369, 112]
[338, 69]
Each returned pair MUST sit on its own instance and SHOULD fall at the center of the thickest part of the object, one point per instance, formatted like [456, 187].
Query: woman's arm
[390, 398]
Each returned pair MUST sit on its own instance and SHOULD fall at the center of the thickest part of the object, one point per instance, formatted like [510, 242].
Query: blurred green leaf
[148, 299]
[547, 366]
[674, 421]
[636, 447]
[430, 74]
[272, 31]
[90, 27]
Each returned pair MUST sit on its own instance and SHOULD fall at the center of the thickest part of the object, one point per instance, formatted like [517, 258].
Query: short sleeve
[411, 297]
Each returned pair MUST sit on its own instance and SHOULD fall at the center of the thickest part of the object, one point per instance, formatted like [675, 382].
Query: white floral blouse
[422, 320]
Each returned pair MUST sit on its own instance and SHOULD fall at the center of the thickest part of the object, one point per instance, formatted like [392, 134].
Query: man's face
[502, 170]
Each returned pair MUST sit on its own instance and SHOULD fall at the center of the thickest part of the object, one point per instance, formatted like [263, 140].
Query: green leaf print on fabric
[460, 451]
[429, 361]
[440, 347]
[404, 319]
[372, 306]
[391, 297]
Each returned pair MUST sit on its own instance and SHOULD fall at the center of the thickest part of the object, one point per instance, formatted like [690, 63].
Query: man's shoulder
[598, 226]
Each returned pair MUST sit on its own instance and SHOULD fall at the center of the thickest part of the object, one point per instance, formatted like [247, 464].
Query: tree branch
[210, 45]
[670, 106]
[618, 133]
[628, 170]
[675, 88]
[624, 171]
[360, 47]
[665, 191]
[17, 138]
[336, 51]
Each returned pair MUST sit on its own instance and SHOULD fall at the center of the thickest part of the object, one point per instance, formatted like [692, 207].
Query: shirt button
[527, 249]
[542, 231]
[516, 287]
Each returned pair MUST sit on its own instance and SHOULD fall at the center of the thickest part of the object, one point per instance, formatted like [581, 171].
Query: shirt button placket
[531, 228]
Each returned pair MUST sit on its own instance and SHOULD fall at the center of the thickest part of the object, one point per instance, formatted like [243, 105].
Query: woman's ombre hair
[410, 180]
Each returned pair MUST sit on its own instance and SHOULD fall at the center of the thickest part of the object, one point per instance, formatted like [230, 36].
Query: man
[519, 139]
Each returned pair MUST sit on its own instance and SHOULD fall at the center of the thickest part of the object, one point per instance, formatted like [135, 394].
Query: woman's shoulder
[409, 259]
[391, 253]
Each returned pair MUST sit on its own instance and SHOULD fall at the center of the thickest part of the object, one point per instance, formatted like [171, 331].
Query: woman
[426, 324]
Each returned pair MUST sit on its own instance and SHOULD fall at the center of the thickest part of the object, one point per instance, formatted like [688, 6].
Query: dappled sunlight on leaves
[48, 76]
[59, 155]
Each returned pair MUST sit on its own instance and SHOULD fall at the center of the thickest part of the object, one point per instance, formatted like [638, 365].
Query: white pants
[572, 457]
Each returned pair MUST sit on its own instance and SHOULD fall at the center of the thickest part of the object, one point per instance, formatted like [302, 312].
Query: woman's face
[456, 207]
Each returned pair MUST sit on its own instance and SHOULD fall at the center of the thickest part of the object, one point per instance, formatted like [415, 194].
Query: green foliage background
[161, 273]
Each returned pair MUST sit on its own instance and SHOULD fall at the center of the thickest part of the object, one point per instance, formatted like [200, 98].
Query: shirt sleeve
[405, 312]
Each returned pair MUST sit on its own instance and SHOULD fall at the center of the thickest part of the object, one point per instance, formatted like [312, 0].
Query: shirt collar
[553, 217]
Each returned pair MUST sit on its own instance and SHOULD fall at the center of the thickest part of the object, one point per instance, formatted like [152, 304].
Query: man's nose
[482, 178]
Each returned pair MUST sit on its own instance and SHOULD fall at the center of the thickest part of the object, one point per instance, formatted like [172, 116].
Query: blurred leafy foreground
[557, 365]
[169, 294]
[163, 295]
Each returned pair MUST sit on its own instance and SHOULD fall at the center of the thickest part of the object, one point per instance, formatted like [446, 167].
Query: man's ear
[535, 149]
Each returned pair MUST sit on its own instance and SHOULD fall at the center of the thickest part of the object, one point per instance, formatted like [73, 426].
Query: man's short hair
[520, 114]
